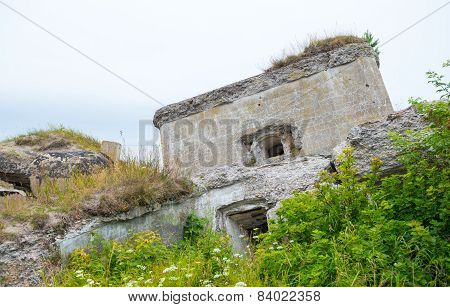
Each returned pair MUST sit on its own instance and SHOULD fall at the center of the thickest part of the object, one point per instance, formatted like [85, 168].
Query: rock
[19, 164]
[6, 192]
[371, 140]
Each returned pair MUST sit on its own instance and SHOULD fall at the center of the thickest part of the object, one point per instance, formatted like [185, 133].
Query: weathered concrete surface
[217, 190]
[371, 140]
[111, 149]
[262, 82]
[321, 108]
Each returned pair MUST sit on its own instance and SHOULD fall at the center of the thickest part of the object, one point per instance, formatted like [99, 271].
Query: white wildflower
[189, 275]
[279, 247]
[173, 278]
[217, 276]
[170, 269]
[161, 282]
[240, 284]
[216, 250]
[242, 236]
[79, 273]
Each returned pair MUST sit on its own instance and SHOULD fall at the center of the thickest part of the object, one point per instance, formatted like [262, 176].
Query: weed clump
[57, 137]
[314, 47]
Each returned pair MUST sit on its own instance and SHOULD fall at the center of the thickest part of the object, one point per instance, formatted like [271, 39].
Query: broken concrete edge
[371, 140]
[262, 82]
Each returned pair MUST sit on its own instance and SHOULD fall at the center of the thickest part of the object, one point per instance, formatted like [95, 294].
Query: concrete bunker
[243, 220]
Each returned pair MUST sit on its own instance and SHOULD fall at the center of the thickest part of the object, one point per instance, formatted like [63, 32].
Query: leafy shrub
[370, 39]
[194, 228]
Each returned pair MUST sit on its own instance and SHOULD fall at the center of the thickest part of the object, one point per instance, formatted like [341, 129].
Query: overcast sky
[174, 50]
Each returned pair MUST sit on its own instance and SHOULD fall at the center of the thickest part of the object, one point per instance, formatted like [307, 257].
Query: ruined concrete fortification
[251, 144]
[248, 146]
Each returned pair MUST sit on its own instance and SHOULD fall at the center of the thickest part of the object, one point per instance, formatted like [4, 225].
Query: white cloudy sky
[177, 49]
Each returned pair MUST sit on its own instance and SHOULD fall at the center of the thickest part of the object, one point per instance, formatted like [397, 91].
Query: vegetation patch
[315, 46]
[57, 137]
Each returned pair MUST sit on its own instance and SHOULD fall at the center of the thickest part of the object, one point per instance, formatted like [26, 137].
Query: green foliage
[370, 39]
[194, 228]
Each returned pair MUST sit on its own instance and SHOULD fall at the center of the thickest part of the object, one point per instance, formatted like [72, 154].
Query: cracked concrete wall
[324, 106]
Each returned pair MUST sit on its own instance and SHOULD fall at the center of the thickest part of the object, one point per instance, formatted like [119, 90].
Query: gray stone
[371, 140]
[18, 163]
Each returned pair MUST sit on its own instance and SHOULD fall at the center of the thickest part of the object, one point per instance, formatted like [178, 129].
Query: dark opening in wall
[244, 221]
[273, 147]
[252, 222]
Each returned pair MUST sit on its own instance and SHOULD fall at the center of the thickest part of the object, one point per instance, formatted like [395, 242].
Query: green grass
[40, 136]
